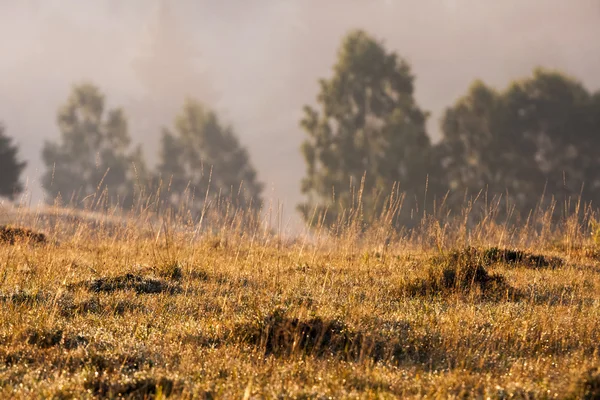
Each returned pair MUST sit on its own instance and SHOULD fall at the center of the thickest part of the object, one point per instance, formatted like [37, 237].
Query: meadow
[156, 308]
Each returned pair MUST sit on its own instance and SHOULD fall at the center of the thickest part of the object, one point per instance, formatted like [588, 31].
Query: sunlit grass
[150, 306]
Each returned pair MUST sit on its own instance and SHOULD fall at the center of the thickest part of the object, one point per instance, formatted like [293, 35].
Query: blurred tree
[10, 167]
[481, 152]
[93, 161]
[201, 159]
[538, 137]
[556, 115]
[368, 125]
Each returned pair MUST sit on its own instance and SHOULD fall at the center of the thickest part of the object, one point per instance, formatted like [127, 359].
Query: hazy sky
[258, 61]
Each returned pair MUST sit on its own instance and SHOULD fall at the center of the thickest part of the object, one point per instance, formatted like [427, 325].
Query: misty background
[258, 62]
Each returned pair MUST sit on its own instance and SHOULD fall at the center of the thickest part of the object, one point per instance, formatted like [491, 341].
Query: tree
[203, 159]
[557, 116]
[368, 125]
[538, 137]
[481, 152]
[11, 167]
[93, 159]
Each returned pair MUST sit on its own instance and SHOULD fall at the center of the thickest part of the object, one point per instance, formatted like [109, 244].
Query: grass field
[446, 311]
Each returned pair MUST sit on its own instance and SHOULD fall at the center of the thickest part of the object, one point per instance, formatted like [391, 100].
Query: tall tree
[11, 167]
[203, 159]
[368, 124]
[537, 137]
[94, 155]
[482, 153]
[556, 115]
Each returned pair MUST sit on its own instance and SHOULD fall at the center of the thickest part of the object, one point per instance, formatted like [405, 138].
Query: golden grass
[144, 310]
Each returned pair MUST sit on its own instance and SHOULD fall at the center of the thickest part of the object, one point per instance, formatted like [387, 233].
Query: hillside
[446, 311]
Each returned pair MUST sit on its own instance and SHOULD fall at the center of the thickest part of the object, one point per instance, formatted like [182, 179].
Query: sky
[258, 62]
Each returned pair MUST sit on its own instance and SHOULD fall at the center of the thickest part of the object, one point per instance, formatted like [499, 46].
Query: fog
[257, 62]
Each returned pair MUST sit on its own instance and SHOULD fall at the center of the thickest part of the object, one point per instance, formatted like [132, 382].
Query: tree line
[367, 149]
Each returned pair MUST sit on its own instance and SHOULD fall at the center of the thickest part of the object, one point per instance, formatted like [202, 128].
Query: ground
[449, 312]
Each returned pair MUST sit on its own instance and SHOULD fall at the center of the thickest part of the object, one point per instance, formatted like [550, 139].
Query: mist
[258, 62]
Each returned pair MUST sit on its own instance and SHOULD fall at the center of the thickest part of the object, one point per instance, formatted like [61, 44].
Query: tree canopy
[10, 166]
[366, 145]
[369, 125]
[202, 160]
[93, 160]
[537, 137]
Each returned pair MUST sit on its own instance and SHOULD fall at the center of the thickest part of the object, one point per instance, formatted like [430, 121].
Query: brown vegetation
[427, 313]
[12, 235]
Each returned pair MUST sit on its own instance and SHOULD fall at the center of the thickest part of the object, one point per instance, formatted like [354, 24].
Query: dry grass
[443, 311]
[13, 235]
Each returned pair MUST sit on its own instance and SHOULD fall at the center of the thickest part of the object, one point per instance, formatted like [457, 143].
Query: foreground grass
[209, 317]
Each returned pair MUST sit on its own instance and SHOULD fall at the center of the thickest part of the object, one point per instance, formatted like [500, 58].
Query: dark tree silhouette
[204, 160]
[93, 160]
[367, 125]
[539, 137]
[10, 167]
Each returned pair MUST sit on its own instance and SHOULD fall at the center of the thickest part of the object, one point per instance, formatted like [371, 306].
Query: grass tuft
[137, 283]
[278, 334]
[460, 272]
[284, 336]
[517, 257]
[587, 386]
[53, 337]
[19, 297]
[172, 271]
[13, 235]
[135, 388]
